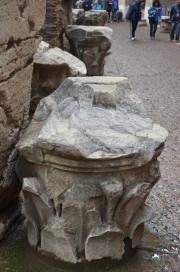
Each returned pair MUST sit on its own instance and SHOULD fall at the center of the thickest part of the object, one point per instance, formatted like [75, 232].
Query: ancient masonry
[89, 161]
[20, 21]
[58, 16]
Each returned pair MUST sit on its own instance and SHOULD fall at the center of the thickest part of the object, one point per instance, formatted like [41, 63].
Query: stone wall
[58, 15]
[20, 21]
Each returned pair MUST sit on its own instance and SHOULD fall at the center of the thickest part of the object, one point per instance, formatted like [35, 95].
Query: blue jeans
[175, 30]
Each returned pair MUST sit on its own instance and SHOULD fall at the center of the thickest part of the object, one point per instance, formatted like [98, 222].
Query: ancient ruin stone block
[91, 45]
[76, 15]
[89, 161]
[51, 67]
[92, 18]
[20, 22]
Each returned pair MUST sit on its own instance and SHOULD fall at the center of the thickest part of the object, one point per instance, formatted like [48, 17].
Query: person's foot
[133, 38]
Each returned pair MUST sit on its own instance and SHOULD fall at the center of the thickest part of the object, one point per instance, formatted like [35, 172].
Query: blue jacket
[98, 6]
[87, 5]
[134, 12]
[114, 5]
[175, 13]
[154, 14]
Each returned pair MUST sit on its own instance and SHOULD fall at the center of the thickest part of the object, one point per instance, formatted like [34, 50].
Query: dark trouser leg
[155, 29]
[177, 31]
[134, 27]
[172, 31]
[109, 16]
[151, 28]
[130, 28]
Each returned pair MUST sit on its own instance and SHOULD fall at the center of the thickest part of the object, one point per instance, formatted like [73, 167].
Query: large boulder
[20, 22]
[51, 67]
[91, 44]
[89, 161]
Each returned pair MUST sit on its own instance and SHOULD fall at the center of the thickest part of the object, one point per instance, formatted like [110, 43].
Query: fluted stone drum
[88, 161]
[91, 44]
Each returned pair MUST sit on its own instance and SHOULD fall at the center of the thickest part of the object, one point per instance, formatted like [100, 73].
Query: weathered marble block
[89, 161]
[92, 18]
[77, 14]
[51, 67]
[91, 44]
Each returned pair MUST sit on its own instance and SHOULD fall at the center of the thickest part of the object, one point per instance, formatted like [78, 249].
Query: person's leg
[130, 29]
[134, 27]
[109, 16]
[177, 31]
[155, 29]
[172, 31]
[151, 28]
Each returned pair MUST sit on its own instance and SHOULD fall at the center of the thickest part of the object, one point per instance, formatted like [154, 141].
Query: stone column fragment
[91, 44]
[89, 161]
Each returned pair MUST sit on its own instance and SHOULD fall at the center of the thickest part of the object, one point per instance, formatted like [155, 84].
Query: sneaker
[133, 38]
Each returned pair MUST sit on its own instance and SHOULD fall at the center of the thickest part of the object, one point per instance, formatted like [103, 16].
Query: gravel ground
[153, 68]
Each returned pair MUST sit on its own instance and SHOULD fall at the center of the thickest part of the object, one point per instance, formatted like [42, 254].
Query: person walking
[175, 21]
[134, 16]
[87, 5]
[109, 9]
[154, 15]
[114, 10]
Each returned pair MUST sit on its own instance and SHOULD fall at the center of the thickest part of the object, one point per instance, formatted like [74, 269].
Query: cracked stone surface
[89, 161]
[51, 67]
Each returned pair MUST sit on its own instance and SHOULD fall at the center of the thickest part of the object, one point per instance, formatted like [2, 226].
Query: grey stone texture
[76, 15]
[51, 67]
[91, 44]
[20, 22]
[91, 18]
[89, 160]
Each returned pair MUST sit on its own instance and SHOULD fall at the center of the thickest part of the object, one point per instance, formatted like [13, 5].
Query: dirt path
[153, 68]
